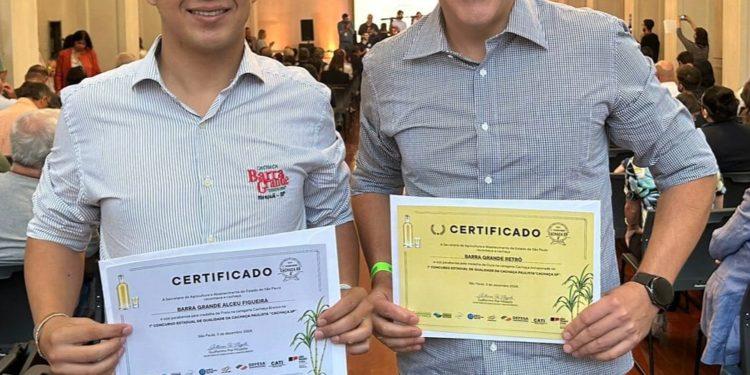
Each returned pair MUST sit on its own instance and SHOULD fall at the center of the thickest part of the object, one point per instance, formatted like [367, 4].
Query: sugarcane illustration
[580, 292]
[307, 338]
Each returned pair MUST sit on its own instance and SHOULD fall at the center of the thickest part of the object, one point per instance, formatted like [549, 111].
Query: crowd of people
[455, 144]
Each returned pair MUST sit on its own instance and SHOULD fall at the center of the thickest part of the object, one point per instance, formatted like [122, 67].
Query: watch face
[663, 292]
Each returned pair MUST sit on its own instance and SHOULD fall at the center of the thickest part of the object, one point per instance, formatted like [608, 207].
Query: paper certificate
[233, 307]
[495, 270]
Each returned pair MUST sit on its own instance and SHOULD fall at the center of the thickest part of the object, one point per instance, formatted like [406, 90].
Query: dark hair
[54, 102]
[720, 103]
[36, 71]
[312, 70]
[746, 99]
[701, 37]
[278, 56]
[345, 15]
[647, 51]
[685, 57]
[649, 23]
[68, 42]
[75, 76]
[400, 12]
[383, 27]
[83, 35]
[304, 55]
[34, 91]
[689, 77]
[690, 101]
[337, 61]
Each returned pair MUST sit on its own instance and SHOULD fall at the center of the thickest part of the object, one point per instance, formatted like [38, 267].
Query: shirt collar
[149, 66]
[523, 21]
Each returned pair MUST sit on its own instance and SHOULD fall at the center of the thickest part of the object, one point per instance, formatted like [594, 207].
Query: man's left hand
[612, 326]
[348, 322]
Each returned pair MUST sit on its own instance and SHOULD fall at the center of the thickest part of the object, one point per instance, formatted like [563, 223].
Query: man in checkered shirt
[519, 99]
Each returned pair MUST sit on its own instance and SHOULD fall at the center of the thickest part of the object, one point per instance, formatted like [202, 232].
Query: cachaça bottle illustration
[408, 232]
[123, 294]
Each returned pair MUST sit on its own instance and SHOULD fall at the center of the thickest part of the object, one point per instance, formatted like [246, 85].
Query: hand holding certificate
[495, 270]
[239, 305]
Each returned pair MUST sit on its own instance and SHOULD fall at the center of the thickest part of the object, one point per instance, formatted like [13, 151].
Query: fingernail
[318, 335]
[566, 335]
[567, 348]
[335, 339]
[322, 322]
[127, 330]
[421, 340]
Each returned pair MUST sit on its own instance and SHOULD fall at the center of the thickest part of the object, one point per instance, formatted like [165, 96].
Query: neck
[26, 171]
[178, 66]
[469, 40]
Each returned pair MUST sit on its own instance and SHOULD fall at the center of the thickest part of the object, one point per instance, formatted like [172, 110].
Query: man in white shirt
[665, 74]
[399, 22]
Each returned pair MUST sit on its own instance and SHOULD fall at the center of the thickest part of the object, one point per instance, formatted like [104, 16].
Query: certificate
[494, 269]
[233, 307]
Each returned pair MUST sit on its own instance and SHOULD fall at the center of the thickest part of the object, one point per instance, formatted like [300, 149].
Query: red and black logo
[269, 180]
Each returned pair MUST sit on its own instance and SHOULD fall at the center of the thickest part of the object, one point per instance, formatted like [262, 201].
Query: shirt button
[493, 347]
[485, 126]
[211, 239]
[208, 182]
[488, 180]
[483, 72]
[202, 125]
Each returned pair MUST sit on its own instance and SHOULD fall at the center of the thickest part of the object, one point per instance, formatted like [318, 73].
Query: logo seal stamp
[290, 268]
[558, 233]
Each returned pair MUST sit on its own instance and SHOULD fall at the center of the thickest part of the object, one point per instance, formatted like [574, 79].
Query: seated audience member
[75, 76]
[317, 59]
[685, 58]
[312, 70]
[383, 33]
[124, 58]
[745, 96]
[666, 75]
[266, 51]
[335, 74]
[31, 96]
[689, 80]
[693, 105]
[7, 95]
[728, 138]
[31, 137]
[304, 57]
[720, 318]
[278, 56]
[642, 195]
[37, 73]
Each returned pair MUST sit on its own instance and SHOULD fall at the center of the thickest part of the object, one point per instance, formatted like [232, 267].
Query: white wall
[150, 23]
[280, 18]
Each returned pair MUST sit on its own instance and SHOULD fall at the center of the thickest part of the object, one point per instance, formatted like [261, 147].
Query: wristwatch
[659, 289]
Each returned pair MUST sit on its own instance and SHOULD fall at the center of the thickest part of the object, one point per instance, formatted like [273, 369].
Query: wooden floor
[674, 354]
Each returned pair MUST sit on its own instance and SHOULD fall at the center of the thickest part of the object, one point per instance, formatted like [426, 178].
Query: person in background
[335, 74]
[344, 20]
[261, 42]
[31, 96]
[31, 139]
[398, 22]
[728, 138]
[347, 38]
[693, 106]
[37, 73]
[418, 16]
[75, 76]
[122, 59]
[650, 39]
[745, 110]
[3, 71]
[304, 56]
[689, 80]
[383, 33]
[278, 56]
[265, 51]
[697, 47]
[7, 93]
[365, 28]
[251, 40]
[722, 299]
[81, 54]
[666, 76]
[394, 30]
[317, 59]
[142, 51]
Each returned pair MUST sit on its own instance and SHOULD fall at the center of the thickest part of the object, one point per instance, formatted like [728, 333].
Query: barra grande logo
[558, 233]
[270, 181]
[290, 268]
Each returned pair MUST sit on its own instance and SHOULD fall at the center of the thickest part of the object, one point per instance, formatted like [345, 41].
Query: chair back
[699, 265]
[616, 155]
[15, 315]
[617, 180]
[736, 184]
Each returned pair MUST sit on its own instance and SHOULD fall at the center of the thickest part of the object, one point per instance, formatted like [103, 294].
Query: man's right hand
[394, 326]
[63, 341]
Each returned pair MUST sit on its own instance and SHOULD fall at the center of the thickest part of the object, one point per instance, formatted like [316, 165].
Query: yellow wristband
[380, 266]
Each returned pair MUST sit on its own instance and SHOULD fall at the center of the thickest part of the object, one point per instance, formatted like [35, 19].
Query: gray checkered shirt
[533, 121]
